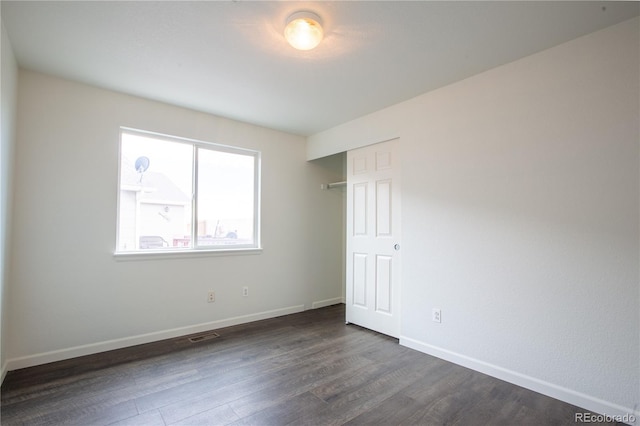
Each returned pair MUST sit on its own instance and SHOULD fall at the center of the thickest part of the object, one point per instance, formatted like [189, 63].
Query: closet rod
[333, 185]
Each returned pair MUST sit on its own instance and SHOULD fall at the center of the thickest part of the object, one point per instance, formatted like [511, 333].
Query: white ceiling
[230, 58]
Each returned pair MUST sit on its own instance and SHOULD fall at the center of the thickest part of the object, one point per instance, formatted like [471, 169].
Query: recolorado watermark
[601, 418]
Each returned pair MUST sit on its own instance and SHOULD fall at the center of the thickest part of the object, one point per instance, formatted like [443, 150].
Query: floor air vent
[203, 336]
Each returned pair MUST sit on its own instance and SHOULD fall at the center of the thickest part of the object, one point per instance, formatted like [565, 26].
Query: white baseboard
[570, 396]
[62, 354]
[328, 302]
[3, 372]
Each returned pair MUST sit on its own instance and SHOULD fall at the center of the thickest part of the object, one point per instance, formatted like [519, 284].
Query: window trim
[182, 254]
[194, 251]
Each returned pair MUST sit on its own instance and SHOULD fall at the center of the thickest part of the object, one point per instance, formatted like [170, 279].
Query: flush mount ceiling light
[303, 30]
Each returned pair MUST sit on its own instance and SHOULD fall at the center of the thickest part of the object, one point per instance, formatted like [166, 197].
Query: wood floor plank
[220, 416]
[302, 381]
[301, 369]
[245, 382]
[150, 418]
[81, 415]
[72, 399]
[299, 409]
[370, 394]
[391, 411]
[221, 369]
[273, 374]
[350, 383]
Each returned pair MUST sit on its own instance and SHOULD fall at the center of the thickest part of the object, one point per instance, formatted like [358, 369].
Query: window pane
[225, 198]
[155, 194]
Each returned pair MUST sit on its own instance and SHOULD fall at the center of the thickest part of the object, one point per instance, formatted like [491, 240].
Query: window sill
[183, 254]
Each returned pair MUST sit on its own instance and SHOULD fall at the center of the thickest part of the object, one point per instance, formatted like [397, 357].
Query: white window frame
[195, 250]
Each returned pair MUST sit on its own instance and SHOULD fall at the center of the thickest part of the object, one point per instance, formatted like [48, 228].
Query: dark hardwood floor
[302, 369]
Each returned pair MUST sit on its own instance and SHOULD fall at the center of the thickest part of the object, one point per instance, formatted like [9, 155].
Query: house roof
[230, 58]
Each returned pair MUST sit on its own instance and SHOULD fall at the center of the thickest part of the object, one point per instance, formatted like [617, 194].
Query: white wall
[71, 296]
[521, 218]
[8, 92]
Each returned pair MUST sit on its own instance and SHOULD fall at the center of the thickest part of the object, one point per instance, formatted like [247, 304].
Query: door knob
[396, 247]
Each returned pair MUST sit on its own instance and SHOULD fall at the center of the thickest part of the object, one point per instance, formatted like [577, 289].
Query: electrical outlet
[436, 315]
[245, 291]
[211, 297]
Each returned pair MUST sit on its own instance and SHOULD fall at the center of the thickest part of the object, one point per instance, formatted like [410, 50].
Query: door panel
[383, 208]
[373, 229]
[383, 160]
[360, 279]
[360, 209]
[359, 165]
[384, 280]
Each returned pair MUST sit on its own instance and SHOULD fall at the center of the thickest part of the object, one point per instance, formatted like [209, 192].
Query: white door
[373, 237]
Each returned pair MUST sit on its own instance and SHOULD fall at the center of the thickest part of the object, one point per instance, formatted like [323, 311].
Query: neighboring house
[154, 212]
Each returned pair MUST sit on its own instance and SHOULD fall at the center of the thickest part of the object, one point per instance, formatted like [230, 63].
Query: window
[176, 194]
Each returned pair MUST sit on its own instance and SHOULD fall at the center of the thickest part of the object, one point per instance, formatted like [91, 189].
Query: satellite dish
[142, 164]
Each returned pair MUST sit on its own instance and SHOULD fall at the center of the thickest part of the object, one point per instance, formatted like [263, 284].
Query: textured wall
[9, 77]
[69, 291]
[520, 218]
